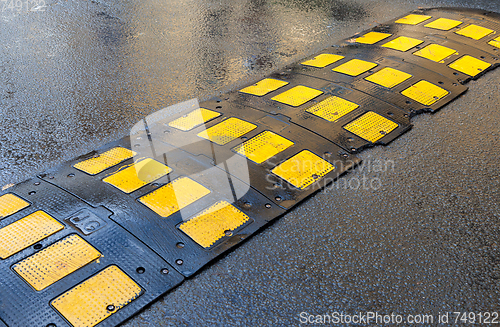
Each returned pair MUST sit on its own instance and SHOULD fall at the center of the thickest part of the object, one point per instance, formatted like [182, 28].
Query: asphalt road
[77, 74]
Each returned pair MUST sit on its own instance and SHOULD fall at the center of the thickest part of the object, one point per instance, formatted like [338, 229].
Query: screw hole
[328, 153]
[137, 145]
[218, 101]
[164, 271]
[111, 307]
[140, 270]
[155, 184]
[278, 198]
[440, 83]
[314, 176]
[268, 206]
[218, 107]
[244, 138]
[482, 57]
[179, 262]
[350, 139]
[32, 193]
[71, 175]
[180, 245]
[455, 73]
[166, 131]
[390, 114]
[36, 183]
[408, 102]
[228, 233]
[455, 84]
[51, 325]
[38, 246]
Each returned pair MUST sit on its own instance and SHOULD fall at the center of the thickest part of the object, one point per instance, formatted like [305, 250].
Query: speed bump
[402, 43]
[227, 131]
[193, 119]
[470, 65]
[388, 77]
[332, 108]
[371, 126]
[372, 37]
[435, 52]
[443, 24]
[322, 60]
[355, 67]
[495, 42]
[297, 95]
[10, 204]
[413, 19]
[264, 87]
[475, 32]
[103, 161]
[263, 146]
[425, 93]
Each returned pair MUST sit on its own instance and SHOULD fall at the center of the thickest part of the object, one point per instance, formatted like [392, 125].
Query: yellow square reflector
[227, 131]
[435, 52]
[425, 93]
[303, 169]
[323, 60]
[137, 175]
[214, 223]
[193, 119]
[332, 108]
[97, 298]
[475, 32]
[297, 95]
[444, 24]
[263, 146]
[402, 43]
[372, 37]
[495, 42]
[388, 77]
[103, 161]
[10, 204]
[413, 19]
[57, 261]
[174, 196]
[470, 65]
[264, 87]
[27, 231]
[355, 67]
[371, 126]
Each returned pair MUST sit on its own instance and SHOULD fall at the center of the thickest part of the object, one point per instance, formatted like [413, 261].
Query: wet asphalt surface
[76, 75]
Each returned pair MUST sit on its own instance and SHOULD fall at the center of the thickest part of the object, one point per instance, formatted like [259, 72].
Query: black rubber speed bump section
[65, 263]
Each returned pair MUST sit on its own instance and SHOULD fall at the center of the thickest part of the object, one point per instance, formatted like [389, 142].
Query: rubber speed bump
[413, 19]
[332, 108]
[194, 119]
[371, 126]
[355, 67]
[323, 60]
[227, 131]
[56, 262]
[470, 65]
[388, 77]
[474, 32]
[425, 93]
[495, 42]
[443, 24]
[105, 160]
[211, 225]
[264, 87]
[263, 146]
[137, 175]
[297, 95]
[174, 196]
[435, 52]
[10, 204]
[97, 298]
[27, 231]
[372, 37]
[402, 43]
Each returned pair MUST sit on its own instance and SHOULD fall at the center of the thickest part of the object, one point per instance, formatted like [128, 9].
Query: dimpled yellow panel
[174, 196]
[444, 24]
[435, 52]
[137, 175]
[470, 65]
[193, 119]
[27, 231]
[10, 204]
[323, 60]
[495, 42]
[402, 43]
[263, 146]
[372, 37]
[227, 131]
[425, 93]
[332, 108]
[303, 169]
[104, 160]
[264, 87]
[475, 32]
[388, 77]
[297, 95]
[88, 304]
[413, 19]
[212, 224]
[371, 126]
[355, 67]
[57, 261]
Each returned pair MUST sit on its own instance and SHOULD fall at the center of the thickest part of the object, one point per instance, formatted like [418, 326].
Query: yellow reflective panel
[495, 42]
[435, 52]
[97, 298]
[413, 19]
[174, 196]
[444, 24]
[332, 108]
[137, 175]
[470, 65]
[355, 67]
[220, 220]
[264, 87]
[372, 37]
[303, 169]
[323, 60]
[227, 131]
[104, 160]
[402, 43]
[10, 204]
[475, 32]
[388, 77]
[371, 126]
[57, 261]
[27, 231]
[193, 119]
[425, 93]
[263, 146]
[297, 95]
